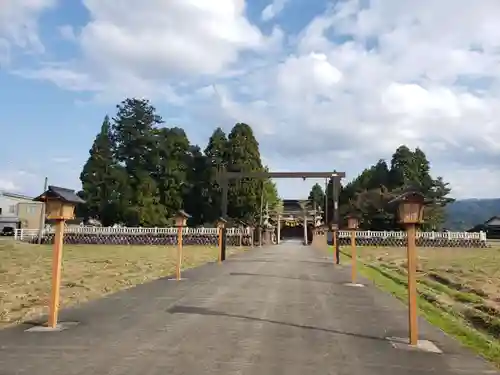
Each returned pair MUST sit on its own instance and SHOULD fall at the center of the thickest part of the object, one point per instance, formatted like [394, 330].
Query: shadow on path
[179, 309]
[326, 262]
[304, 278]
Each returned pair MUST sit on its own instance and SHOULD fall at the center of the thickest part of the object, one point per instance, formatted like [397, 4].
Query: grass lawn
[89, 271]
[459, 289]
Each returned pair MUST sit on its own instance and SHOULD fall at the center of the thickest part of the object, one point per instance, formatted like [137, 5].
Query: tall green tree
[317, 195]
[243, 155]
[102, 179]
[370, 191]
[135, 147]
[410, 168]
[373, 207]
[271, 196]
[435, 213]
[171, 166]
[197, 199]
[216, 154]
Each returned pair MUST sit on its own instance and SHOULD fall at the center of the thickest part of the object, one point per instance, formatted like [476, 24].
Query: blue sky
[325, 84]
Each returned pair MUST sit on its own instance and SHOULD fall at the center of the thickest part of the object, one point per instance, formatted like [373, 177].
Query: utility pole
[336, 220]
[315, 217]
[326, 202]
[261, 213]
[42, 214]
[225, 192]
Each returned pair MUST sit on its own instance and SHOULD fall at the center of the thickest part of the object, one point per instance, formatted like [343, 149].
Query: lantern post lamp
[221, 224]
[324, 237]
[411, 213]
[180, 222]
[241, 227]
[334, 229]
[353, 225]
[60, 206]
[252, 235]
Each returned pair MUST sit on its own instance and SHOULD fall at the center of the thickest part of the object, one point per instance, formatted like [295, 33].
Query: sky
[326, 85]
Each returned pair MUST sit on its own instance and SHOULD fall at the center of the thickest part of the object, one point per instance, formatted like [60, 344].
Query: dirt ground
[89, 271]
[464, 282]
[478, 269]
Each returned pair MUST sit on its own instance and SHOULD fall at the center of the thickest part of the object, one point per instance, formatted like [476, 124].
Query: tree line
[369, 193]
[141, 172]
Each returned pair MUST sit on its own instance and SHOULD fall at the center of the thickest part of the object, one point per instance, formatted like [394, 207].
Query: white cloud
[356, 82]
[157, 37]
[273, 9]
[308, 75]
[132, 48]
[408, 73]
[20, 181]
[19, 25]
[477, 181]
[63, 77]
[7, 185]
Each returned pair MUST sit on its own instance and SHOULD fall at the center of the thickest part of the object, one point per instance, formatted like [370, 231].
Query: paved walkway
[282, 310]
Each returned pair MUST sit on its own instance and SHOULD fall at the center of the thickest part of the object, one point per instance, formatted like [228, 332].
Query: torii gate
[298, 209]
[223, 176]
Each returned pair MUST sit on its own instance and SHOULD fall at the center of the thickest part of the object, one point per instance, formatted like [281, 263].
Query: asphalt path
[280, 310]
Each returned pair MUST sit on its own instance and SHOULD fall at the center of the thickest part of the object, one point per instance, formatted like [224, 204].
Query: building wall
[8, 206]
[29, 213]
[20, 207]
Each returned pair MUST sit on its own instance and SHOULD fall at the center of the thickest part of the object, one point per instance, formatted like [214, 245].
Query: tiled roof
[64, 194]
[15, 195]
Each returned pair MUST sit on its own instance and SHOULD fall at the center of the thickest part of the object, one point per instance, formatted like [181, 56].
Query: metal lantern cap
[181, 218]
[221, 222]
[353, 220]
[59, 202]
[241, 223]
[411, 207]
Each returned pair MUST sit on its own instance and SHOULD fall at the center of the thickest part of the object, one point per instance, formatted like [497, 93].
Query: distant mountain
[466, 213]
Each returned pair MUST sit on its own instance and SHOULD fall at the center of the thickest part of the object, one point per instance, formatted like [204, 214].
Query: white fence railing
[426, 235]
[23, 234]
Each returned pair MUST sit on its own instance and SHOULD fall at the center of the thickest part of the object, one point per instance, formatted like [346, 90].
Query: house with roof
[19, 211]
[491, 227]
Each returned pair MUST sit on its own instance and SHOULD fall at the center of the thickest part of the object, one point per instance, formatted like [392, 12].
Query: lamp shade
[352, 221]
[181, 218]
[411, 206]
[221, 222]
[411, 212]
[60, 203]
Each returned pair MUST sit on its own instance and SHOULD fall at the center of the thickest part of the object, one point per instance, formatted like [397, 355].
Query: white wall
[6, 203]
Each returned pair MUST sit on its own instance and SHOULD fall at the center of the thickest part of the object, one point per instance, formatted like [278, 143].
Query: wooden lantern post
[325, 234]
[335, 228]
[410, 213]
[221, 223]
[60, 206]
[352, 225]
[241, 227]
[180, 223]
[278, 229]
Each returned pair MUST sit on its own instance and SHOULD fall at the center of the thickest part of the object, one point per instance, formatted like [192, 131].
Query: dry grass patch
[465, 269]
[458, 289]
[462, 283]
[89, 271]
